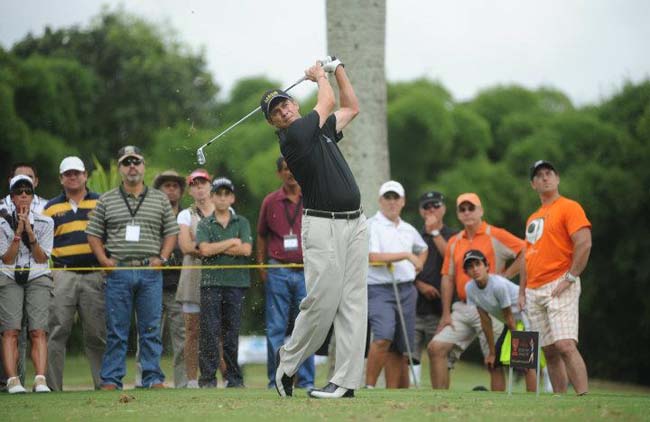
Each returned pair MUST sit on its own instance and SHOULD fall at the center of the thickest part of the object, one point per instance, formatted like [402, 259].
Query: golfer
[334, 234]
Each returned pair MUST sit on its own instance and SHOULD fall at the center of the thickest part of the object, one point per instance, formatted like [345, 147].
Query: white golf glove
[330, 63]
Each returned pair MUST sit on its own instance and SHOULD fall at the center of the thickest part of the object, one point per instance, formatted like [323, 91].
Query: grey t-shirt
[499, 293]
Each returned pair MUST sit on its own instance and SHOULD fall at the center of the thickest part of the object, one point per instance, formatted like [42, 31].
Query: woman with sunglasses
[25, 283]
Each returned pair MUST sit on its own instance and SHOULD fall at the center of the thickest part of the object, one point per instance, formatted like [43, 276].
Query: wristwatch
[435, 233]
[163, 260]
[570, 277]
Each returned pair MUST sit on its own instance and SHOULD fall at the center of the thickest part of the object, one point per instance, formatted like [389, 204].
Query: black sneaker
[283, 382]
[331, 391]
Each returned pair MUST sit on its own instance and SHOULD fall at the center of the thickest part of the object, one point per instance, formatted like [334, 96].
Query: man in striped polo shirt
[75, 290]
[132, 226]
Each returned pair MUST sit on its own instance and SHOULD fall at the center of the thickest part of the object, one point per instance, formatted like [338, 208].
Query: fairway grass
[614, 402]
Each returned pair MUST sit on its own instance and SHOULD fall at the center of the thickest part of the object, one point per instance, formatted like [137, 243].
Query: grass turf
[609, 401]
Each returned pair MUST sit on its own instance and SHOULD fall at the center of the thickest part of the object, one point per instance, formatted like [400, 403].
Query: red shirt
[273, 225]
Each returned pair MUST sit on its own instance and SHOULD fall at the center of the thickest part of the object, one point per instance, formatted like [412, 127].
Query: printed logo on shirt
[535, 230]
[326, 139]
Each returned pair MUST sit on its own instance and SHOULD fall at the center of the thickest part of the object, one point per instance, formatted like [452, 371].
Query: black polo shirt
[314, 158]
[430, 273]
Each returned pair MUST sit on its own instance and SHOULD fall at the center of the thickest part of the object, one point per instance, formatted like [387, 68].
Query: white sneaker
[40, 385]
[193, 384]
[14, 386]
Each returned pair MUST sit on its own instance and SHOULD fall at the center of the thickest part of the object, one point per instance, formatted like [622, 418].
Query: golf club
[200, 155]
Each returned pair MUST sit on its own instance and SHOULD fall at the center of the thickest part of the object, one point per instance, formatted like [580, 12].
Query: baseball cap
[392, 186]
[71, 163]
[539, 164]
[198, 174]
[473, 255]
[270, 97]
[222, 182]
[433, 196]
[129, 151]
[20, 178]
[167, 176]
[470, 197]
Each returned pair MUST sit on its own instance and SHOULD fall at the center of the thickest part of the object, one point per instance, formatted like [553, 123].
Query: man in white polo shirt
[396, 241]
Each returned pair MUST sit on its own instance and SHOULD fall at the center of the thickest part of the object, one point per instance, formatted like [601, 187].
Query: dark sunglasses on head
[20, 191]
[131, 160]
[430, 205]
[469, 207]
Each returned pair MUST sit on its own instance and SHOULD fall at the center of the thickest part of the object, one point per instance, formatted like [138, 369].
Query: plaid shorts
[555, 318]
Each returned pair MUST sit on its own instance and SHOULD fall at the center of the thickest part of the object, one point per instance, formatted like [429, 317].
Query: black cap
[222, 182]
[269, 99]
[473, 255]
[539, 164]
[433, 196]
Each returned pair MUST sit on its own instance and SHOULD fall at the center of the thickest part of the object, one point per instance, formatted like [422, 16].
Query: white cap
[21, 177]
[71, 163]
[392, 186]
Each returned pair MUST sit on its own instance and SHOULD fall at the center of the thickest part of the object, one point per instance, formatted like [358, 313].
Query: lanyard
[292, 220]
[142, 196]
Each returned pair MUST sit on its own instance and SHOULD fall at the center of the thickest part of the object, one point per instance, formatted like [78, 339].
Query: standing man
[334, 233]
[278, 230]
[558, 243]
[75, 291]
[429, 306]
[173, 185]
[132, 226]
[396, 241]
[460, 324]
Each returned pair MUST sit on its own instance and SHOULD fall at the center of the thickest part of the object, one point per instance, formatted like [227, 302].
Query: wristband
[16, 239]
[163, 260]
[435, 233]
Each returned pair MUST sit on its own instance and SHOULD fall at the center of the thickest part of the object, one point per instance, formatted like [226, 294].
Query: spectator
[459, 325]
[172, 185]
[497, 296]
[188, 292]
[429, 306]
[25, 282]
[396, 241]
[224, 238]
[558, 243]
[26, 169]
[75, 291]
[278, 239]
[132, 226]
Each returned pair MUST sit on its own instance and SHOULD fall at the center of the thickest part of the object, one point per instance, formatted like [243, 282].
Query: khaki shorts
[555, 318]
[34, 297]
[425, 329]
[466, 327]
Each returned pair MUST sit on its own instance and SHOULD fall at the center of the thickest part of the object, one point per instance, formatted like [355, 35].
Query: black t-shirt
[430, 273]
[314, 158]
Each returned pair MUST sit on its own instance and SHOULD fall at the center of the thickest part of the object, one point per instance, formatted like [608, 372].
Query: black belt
[336, 215]
[134, 262]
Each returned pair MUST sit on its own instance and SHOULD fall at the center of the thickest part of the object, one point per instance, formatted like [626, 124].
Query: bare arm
[168, 245]
[486, 325]
[186, 240]
[97, 246]
[447, 293]
[243, 249]
[581, 250]
[509, 318]
[515, 267]
[325, 101]
[522, 281]
[216, 248]
[349, 103]
[260, 255]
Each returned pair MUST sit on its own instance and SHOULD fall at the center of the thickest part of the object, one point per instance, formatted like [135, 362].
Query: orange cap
[472, 198]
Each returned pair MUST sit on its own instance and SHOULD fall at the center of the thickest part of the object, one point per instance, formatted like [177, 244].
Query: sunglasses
[430, 205]
[20, 191]
[464, 208]
[391, 196]
[127, 162]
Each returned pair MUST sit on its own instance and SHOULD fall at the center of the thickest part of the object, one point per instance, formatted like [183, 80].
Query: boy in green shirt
[223, 239]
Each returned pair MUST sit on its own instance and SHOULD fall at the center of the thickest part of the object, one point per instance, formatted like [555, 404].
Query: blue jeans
[285, 288]
[124, 289]
[220, 321]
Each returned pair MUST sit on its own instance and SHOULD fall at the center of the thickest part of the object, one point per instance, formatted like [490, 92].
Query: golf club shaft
[245, 117]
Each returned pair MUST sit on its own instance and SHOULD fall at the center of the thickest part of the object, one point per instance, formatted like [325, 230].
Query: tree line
[88, 90]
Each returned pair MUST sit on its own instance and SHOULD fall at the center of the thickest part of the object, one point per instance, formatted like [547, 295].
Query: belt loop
[333, 215]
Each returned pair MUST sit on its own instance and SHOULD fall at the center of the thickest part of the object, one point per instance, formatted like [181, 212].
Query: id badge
[290, 243]
[132, 233]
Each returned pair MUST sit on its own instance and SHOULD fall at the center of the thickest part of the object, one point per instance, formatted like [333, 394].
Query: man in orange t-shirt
[558, 242]
[460, 324]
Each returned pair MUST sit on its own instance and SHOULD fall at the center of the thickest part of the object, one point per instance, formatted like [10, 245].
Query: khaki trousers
[335, 254]
[83, 294]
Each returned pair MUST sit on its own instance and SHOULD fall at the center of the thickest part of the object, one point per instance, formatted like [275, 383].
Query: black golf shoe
[331, 391]
[283, 382]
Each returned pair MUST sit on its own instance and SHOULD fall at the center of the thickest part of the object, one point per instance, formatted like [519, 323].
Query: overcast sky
[586, 48]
